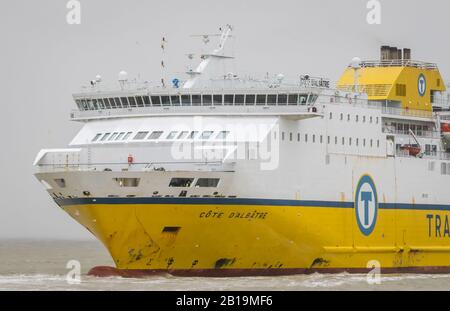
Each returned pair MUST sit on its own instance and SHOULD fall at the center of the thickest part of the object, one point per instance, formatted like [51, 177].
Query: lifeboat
[445, 130]
[412, 150]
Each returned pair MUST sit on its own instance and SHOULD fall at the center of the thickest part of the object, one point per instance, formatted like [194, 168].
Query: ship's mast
[214, 57]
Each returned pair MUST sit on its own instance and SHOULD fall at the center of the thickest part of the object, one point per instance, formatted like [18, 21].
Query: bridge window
[84, 105]
[183, 135]
[96, 137]
[165, 100]
[228, 99]
[207, 100]
[146, 101]
[238, 99]
[293, 99]
[261, 99]
[175, 100]
[272, 99]
[185, 100]
[206, 134]
[196, 100]
[303, 99]
[124, 101]
[140, 135]
[312, 98]
[181, 182]
[94, 104]
[156, 101]
[140, 102]
[250, 99]
[172, 135]
[217, 99]
[101, 103]
[106, 103]
[155, 135]
[112, 103]
[282, 99]
[117, 102]
[222, 135]
[207, 182]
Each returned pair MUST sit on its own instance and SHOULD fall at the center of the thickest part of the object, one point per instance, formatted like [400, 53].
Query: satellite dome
[356, 63]
[98, 78]
[123, 76]
[280, 77]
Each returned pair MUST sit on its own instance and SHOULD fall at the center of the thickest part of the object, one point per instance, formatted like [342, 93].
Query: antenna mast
[163, 62]
[214, 56]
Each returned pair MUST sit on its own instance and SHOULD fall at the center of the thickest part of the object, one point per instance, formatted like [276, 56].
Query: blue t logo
[366, 197]
[366, 205]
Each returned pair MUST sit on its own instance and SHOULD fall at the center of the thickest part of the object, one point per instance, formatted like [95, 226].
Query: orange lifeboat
[445, 130]
[412, 150]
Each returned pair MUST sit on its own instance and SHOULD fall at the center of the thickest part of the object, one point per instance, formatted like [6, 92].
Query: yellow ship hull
[185, 237]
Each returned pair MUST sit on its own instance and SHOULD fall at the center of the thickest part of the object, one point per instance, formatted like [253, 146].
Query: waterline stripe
[242, 201]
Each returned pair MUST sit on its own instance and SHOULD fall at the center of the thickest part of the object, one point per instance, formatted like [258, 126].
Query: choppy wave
[299, 282]
[41, 265]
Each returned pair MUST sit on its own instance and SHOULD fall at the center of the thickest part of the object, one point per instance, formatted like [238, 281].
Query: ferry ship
[216, 174]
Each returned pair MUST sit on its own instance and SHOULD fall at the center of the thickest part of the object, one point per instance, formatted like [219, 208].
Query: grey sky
[43, 60]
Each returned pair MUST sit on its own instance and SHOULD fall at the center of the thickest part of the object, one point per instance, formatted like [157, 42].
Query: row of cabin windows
[405, 127]
[174, 182]
[344, 141]
[364, 119]
[188, 182]
[195, 100]
[123, 136]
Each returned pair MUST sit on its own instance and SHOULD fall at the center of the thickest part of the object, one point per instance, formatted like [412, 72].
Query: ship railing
[399, 63]
[421, 133]
[195, 110]
[383, 106]
[431, 155]
[139, 167]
